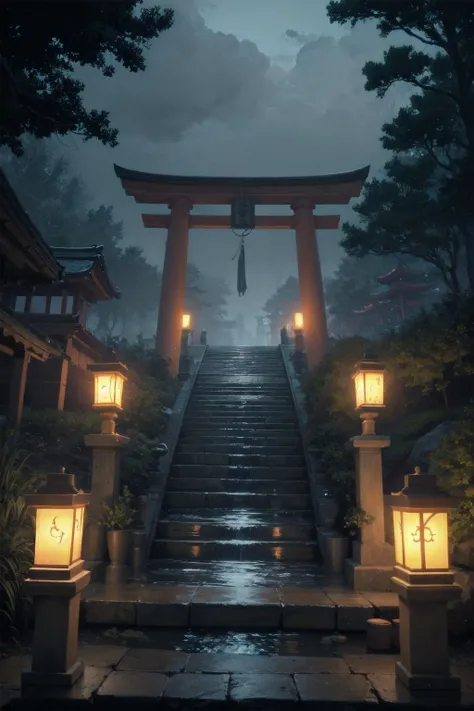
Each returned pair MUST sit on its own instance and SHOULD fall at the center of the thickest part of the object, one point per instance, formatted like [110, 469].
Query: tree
[439, 121]
[284, 302]
[42, 44]
[405, 214]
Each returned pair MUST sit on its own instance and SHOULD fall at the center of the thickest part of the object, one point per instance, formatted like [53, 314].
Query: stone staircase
[238, 487]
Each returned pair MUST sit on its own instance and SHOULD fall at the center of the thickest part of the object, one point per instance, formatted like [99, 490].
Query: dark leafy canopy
[405, 214]
[41, 43]
[439, 64]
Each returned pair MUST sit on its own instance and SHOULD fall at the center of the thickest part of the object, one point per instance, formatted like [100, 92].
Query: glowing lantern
[424, 583]
[421, 525]
[56, 581]
[60, 515]
[298, 323]
[369, 385]
[186, 321]
[109, 379]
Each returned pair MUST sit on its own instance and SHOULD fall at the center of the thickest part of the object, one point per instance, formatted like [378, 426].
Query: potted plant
[118, 519]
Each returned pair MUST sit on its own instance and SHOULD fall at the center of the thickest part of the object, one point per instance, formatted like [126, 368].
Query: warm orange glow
[186, 321]
[276, 532]
[298, 321]
[278, 552]
[421, 540]
[108, 389]
[195, 551]
[58, 540]
[369, 388]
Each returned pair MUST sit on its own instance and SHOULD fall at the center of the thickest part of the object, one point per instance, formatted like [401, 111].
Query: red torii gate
[181, 193]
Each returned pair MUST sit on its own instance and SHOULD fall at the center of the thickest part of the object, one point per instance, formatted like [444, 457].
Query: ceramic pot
[336, 551]
[118, 543]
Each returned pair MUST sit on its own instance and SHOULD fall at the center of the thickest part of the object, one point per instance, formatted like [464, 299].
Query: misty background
[242, 88]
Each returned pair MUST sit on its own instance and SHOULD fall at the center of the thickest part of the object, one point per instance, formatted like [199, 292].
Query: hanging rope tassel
[241, 278]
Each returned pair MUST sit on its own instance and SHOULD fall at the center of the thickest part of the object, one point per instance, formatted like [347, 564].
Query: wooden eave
[155, 188]
[20, 334]
[67, 327]
[21, 241]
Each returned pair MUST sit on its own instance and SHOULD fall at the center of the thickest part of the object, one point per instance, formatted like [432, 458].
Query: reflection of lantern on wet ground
[424, 582]
[369, 377]
[56, 581]
[109, 379]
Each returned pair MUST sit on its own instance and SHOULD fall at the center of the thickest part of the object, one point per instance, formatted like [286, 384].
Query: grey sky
[212, 101]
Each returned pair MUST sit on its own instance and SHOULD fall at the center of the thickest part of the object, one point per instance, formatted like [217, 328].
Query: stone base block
[365, 578]
[68, 678]
[427, 682]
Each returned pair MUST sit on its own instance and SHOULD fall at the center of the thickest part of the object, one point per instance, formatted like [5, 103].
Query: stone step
[242, 380]
[233, 447]
[264, 439]
[221, 528]
[241, 429]
[230, 419]
[254, 410]
[277, 603]
[237, 550]
[240, 460]
[206, 391]
[231, 500]
[199, 471]
[261, 486]
[240, 399]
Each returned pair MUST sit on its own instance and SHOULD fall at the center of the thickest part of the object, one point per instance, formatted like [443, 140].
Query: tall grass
[16, 530]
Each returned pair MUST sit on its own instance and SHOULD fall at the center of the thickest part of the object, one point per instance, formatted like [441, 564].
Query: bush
[454, 463]
[16, 531]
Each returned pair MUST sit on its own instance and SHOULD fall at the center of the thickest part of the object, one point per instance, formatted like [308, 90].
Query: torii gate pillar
[173, 284]
[311, 282]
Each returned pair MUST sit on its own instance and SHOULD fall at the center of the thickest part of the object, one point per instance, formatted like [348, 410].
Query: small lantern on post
[298, 329]
[56, 580]
[369, 382]
[424, 582]
[109, 379]
[371, 555]
[185, 331]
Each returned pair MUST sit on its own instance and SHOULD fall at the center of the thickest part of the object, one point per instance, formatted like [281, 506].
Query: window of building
[38, 305]
[69, 304]
[56, 304]
[20, 303]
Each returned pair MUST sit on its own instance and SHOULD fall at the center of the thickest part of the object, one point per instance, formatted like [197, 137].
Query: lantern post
[56, 581]
[372, 558]
[424, 582]
[298, 330]
[109, 380]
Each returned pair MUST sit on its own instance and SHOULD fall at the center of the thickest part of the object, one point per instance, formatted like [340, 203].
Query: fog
[244, 88]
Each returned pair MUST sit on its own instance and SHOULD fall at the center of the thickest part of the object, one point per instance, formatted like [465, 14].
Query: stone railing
[324, 507]
[156, 494]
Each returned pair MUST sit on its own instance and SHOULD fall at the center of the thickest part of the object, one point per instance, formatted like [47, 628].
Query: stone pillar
[105, 484]
[173, 284]
[311, 283]
[17, 387]
[372, 558]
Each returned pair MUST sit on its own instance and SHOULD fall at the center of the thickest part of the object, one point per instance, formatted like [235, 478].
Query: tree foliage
[42, 44]
[285, 301]
[438, 124]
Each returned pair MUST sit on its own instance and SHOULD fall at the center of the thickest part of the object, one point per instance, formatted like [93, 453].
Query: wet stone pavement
[186, 670]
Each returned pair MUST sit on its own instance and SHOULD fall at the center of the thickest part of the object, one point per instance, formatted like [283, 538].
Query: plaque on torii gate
[242, 213]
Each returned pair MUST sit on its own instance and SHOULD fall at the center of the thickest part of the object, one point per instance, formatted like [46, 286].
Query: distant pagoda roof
[335, 188]
[87, 263]
[399, 274]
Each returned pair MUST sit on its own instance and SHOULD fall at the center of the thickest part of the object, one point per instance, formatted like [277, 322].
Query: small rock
[133, 634]
[334, 639]
[112, 632]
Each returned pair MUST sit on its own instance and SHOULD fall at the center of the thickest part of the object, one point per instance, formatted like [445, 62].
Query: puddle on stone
[295, 644]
